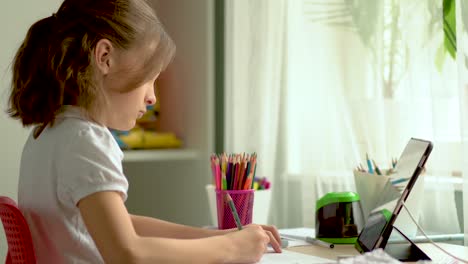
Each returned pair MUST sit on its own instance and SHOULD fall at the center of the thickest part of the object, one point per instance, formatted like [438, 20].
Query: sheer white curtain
[462, 62]
[314, 85]
[255, 62]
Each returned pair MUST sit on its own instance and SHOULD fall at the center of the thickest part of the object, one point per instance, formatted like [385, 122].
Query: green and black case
[339, 217]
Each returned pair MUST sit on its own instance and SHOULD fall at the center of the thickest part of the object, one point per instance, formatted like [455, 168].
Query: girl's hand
[275, 238]
[271, 231]
[249, 244]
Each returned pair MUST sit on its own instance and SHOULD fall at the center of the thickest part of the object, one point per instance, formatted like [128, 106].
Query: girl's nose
[151, 100]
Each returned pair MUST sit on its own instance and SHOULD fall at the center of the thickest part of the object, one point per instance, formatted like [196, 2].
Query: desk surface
[433, 252]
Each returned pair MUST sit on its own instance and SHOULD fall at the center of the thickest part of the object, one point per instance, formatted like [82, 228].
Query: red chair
[18, 236]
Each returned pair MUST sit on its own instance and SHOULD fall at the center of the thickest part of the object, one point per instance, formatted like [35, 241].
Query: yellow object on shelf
[141, 139]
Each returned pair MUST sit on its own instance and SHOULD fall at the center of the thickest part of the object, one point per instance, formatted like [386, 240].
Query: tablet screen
[379, 224]
[375, 224]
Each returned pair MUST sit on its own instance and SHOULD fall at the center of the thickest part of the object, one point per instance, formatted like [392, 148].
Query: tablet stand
[405, 251]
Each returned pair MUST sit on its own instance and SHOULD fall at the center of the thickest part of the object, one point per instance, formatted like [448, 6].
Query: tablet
[379, 225]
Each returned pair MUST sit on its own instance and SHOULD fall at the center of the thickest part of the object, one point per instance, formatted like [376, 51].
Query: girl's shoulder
[77, 129]
[73, 131]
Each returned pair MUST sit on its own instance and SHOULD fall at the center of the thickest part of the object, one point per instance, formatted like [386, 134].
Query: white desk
[434, 253]
[348, 250]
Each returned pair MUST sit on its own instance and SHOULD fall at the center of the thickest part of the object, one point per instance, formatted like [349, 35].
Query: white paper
[302, 232]
[289, 257]
[377, 256]
[299, 234]
[294, 242]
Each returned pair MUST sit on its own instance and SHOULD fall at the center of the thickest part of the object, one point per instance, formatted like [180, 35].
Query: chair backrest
[18, 235]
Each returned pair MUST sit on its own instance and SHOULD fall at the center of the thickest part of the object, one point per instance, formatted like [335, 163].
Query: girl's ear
[103, 56]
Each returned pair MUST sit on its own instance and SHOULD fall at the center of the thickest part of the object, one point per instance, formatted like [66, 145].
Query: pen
[400, 180]
[376, 168]
[361, 168]
[394, 162]
[233, 210]
[319, 242]
[369, 164]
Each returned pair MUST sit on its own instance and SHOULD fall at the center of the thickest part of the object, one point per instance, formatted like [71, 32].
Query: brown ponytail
[53, 66]
[36, 94]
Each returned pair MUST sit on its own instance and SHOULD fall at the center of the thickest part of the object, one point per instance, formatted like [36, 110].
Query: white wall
[16, 16]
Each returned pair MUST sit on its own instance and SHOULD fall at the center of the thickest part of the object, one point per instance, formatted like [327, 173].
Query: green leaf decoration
[450, 30]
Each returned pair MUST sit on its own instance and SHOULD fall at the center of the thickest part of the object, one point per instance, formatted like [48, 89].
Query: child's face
[126, 101]
[124, 108]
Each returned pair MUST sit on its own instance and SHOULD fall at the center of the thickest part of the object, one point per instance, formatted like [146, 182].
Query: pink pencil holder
[243, 201]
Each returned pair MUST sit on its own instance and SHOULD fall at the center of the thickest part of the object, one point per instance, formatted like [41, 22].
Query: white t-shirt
[67, 162]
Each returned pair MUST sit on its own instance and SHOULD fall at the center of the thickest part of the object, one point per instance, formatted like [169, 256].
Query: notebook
[380, 222]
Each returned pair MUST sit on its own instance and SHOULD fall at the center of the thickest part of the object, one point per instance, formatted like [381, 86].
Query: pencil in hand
[233, 210]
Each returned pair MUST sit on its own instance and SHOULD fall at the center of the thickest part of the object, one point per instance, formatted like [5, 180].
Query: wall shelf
[186, 97]
[159, 155]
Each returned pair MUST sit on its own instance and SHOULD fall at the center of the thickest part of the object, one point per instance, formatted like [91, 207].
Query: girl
[89, 67]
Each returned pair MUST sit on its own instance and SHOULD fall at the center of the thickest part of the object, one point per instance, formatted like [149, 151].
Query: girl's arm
[147, 226]
[113, 232]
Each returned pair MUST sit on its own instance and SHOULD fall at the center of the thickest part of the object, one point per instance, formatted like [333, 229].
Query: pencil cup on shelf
[243, 202]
